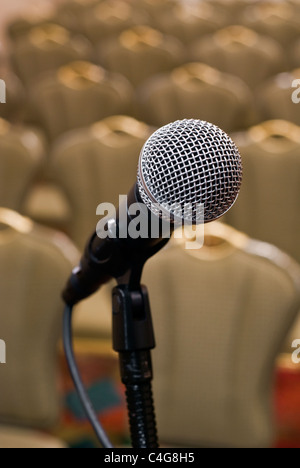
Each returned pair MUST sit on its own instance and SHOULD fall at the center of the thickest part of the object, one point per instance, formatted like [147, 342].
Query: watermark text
[296, 353]
[2, 352]
[296, 93]
[2, 92]
[137, 221]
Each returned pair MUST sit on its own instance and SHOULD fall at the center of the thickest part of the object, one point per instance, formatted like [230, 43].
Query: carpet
[101, 377]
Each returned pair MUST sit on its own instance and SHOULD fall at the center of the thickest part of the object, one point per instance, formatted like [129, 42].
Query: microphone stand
[133, 339]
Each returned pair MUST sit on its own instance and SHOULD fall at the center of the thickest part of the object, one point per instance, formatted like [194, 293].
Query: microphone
[185, 168]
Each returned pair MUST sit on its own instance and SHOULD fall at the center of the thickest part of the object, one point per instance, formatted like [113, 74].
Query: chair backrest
[45, 48]
[155, 9]
[78, 95]
[71, 13]
[269, 200]
[221, 314]
[294, 55]
[108, 19]
[96, 165]
[241, 52]
[38, 14]
[34, 265]
[141, 52]
[279, 20]
[189, 21]
[274, 99]
[233, 8]
[197, 91]
[22, 155]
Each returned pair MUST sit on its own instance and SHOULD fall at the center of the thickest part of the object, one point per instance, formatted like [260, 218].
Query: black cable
[85, 400]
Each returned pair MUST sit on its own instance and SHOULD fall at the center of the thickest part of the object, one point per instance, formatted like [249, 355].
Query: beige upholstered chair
[95, 165]
[78, 95]
[38, 14]
[141, 52]
[241, 52]
[197, 91]
[277, 20]
[70, 13]
[275, 98]
[295, 55]
[295, 4]
[35, 263]
[12, 438]
[109, 18]
[269, 203]
[233, 8]
[45, 48]
[189, 21]
[221, 315]
[155, 9]
[22, 155]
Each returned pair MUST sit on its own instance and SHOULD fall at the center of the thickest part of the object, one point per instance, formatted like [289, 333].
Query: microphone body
[113, 256]
[183, 166]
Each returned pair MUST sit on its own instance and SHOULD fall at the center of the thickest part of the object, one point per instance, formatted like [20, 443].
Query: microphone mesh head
[188, 163]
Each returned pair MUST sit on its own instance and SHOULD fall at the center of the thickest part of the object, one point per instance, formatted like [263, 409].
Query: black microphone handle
[104, 259]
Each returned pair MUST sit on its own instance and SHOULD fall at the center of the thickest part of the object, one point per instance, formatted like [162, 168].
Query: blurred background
[87, 82]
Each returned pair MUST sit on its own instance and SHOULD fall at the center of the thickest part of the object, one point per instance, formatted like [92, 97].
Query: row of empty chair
[185, 20]
[225, 354]
[63, 71]
[82, 93]
[96, 164]
[143, 75]
[140, 52]
[219, 322]
[75, 74]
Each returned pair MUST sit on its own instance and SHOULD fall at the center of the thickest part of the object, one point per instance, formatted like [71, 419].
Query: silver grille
[188, 163]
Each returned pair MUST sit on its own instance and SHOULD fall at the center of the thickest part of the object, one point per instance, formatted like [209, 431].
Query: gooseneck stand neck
[133, 339]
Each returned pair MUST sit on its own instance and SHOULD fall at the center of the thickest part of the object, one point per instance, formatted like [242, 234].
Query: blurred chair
[22, 156]
[241, 52]
[14, 109]
[221, 314]
[295, 55]
[274, 99]
[47, 48]
[46, 204]
[108, 19]
[95, 165]
[197, 91]
[155, 9]
[295, 4]
[12, 438]
[269, 203]
[34, 265]
[78, 95]
[233, 8]
[37, 14]
[279, 20]
[140, 53]
[190, 21]
[69, 13]
[92, 320]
